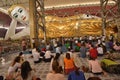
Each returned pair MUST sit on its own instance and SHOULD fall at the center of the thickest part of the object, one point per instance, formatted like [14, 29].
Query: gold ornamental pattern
[73, 26]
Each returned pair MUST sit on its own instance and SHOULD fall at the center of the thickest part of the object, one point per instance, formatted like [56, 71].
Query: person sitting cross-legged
[69, 64]
[36, 55]
[56, 73]
[13, 68]
[56, 58]
[48, 56]
[94, 66]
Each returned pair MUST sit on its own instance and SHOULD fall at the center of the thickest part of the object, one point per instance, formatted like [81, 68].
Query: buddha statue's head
[19, 13]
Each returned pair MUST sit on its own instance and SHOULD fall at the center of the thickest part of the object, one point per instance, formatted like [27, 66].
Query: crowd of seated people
[87, 47]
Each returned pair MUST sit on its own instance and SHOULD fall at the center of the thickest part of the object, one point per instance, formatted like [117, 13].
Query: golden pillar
[33, 23]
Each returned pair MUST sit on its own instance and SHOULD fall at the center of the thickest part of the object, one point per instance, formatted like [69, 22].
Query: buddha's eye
[15, 15]
[20, 10]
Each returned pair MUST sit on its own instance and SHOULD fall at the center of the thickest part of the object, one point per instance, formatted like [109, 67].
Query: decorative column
[33, 22]
[37, 13]
[41, 17]
[103, 4]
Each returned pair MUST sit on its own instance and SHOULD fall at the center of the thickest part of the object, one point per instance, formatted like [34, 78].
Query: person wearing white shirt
[103, 38]
[100, 50]
[58, 49]
[13, 68]
[36, 55]
[48, 56]
[90, 38]
[99, 41]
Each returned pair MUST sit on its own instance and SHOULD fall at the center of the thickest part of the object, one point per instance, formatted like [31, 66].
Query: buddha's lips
[24, 18]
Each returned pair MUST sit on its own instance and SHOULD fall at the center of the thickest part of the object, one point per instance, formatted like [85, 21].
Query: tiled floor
[43, 68]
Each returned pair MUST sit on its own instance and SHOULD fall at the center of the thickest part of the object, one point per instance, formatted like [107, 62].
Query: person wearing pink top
[95, 67]
[116, 47]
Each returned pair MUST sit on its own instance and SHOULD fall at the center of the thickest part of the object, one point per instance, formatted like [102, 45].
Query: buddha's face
[20, 14]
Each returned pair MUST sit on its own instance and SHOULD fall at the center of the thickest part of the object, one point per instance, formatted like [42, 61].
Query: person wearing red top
[93, 52]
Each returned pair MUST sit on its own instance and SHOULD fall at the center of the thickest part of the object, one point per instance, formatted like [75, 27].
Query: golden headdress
[12, 8]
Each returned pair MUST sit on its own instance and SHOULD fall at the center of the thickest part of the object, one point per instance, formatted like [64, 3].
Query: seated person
[13, 68]
[1, 78]
[76, 75]
[116, 47]
[94, 66]
[42, 53]
[48, 56]
[92, 52]
[56, 72]
[83, 50]
[36, 55]
[26, 72]
[100, 50]
[56, 58]
[21, 55]
[69, 64]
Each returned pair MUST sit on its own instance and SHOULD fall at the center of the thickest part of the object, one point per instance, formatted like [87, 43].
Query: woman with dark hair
[93, 78]
[27, 73]
[56, 58]
[76, 75]
[16, 64]
[21, 55]
[69, 64]
[13, 68]
[1, 78]
[56, 72]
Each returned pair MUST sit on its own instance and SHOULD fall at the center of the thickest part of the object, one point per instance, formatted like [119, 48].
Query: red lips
[24, 18]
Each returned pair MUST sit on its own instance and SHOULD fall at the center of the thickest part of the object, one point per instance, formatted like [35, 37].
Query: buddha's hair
[12, 8]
